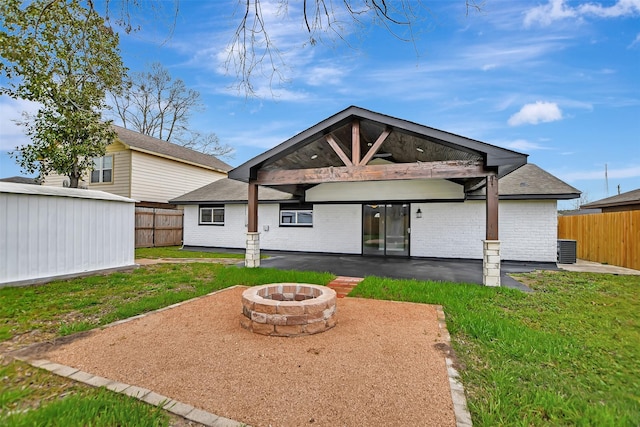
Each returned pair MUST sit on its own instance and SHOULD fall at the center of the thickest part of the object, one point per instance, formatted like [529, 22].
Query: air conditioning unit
[567, 250]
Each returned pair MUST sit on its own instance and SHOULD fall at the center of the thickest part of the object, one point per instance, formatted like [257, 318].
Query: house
[629, 201]
[149, 170]
[21, 180]
[365, 183]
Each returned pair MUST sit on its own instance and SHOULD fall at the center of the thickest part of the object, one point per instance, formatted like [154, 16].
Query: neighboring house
[21, 180]
[365, 183]
[148, 170]
[629, 201]
[577, 212]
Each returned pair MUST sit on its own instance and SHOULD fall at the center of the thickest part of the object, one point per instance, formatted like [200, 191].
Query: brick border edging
[460, 409]
[184, 410]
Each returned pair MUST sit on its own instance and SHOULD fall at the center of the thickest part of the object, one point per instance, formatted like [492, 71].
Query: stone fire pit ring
[288, 309]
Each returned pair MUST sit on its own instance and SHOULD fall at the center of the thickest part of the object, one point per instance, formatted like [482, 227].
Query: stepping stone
[344, 284]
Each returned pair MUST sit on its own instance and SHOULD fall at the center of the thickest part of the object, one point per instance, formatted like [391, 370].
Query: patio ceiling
[398, 147]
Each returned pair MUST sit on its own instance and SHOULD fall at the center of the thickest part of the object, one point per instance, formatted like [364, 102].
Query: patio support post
[252, 253]
[491, 246]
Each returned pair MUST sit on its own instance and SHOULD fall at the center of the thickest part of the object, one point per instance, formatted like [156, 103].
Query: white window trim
[101, 169]
[212, 209]
[296, 223]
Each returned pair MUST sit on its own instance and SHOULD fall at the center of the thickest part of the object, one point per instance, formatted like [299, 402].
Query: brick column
[252, 253]
[491, 262]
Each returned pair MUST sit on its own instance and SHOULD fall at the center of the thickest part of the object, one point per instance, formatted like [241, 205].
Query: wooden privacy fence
[158, 227]
[609, 238]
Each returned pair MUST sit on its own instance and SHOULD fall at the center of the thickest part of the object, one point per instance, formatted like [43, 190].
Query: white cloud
[546, 14]
[11, 134]
[635, 41]
[556, 10]
[615, 173]
[620, 8]
[540, 112]
[266, 136]
[320, 76]
[524, 145]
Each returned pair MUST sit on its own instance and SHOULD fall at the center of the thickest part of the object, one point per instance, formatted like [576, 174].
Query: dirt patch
[381, 365]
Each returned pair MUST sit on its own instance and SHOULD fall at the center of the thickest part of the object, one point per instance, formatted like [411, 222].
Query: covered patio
[357, 146]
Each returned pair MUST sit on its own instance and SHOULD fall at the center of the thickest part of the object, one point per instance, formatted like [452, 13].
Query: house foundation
[252, 253]
[491, 262]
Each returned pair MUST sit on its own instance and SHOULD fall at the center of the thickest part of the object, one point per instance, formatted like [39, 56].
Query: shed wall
[43, 236]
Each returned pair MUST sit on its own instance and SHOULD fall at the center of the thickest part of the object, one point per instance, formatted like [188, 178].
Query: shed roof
[408, 143]
[629, 198]
[41, 190]
[149, 144]
[530, 182]
[227, 190]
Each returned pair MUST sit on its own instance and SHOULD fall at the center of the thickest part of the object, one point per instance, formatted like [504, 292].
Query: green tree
[60, 54]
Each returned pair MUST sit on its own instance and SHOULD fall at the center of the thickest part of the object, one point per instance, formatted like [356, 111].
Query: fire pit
[288, 309]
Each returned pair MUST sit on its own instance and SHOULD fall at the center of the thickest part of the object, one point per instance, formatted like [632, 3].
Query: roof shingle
[529, 182]
[227, 190]
[136, 140]
[629, 198]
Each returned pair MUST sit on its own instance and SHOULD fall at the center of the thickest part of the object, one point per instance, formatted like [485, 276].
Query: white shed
[50, 233]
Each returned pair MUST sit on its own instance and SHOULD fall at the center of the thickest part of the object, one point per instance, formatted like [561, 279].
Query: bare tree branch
[154, 104]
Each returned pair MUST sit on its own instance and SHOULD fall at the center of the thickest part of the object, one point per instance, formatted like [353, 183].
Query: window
[211, 215]
[296, 216]
[102, 169]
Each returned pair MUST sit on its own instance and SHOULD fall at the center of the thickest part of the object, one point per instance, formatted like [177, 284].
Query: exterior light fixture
[419, 150]
[419, 213]
[315, 156]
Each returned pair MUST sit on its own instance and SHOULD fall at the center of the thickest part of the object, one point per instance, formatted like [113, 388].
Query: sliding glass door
[385, 229]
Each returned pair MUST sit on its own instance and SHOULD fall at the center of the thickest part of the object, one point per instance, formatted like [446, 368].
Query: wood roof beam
[355, 142]
[373, 150]
[334, 144]
[390, 172]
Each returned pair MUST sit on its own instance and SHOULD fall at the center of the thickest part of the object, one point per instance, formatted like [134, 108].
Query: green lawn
[38, 313]
[176, 252]
[566, 354]
[32, 397]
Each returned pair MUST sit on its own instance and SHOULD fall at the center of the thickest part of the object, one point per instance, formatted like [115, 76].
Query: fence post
[153, 230]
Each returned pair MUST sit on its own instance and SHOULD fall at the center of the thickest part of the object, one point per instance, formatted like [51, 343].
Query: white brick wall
[336, 229]
[527, 230]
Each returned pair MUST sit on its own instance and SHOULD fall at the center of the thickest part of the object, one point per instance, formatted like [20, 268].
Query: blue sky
[558, 80]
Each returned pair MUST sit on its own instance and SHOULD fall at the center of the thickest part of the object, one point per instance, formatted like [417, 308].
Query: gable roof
[408, 143]
[148, 144]
[629, 198]
[530, 182]
[43, 190]
[227, 190]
